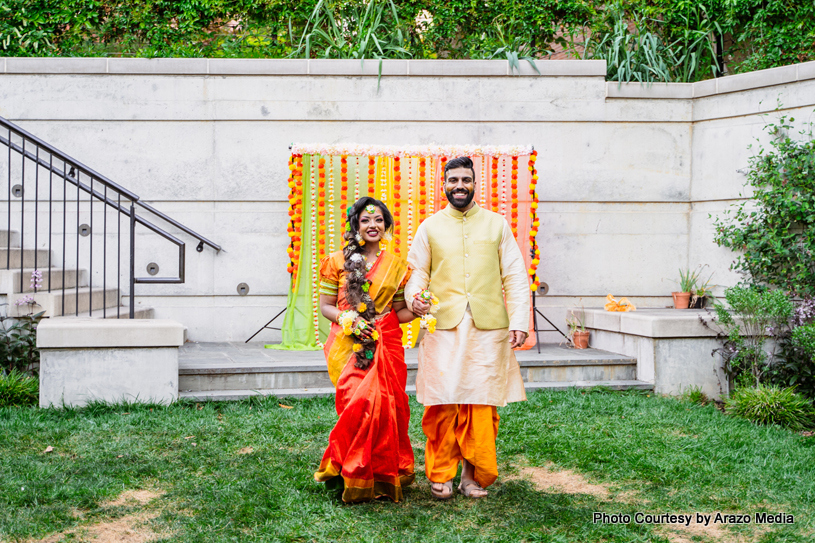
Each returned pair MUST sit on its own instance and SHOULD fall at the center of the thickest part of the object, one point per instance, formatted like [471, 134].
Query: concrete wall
[628, 173]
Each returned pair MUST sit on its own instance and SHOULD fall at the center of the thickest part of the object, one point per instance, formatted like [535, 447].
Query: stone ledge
[321, 67]
[652, 323]
[88, 333]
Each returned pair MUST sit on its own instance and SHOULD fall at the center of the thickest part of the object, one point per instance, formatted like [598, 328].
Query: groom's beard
[458, 201]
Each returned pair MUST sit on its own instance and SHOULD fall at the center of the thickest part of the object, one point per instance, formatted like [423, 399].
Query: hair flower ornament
[346, 320]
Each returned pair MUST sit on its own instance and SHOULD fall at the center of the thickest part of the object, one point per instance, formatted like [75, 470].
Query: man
[466, 255]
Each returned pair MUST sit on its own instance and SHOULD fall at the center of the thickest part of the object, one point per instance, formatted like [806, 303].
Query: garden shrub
[769, 404]
[796, 364]
[18, 389]
[754, 315]
[18, 343]
[774, 231]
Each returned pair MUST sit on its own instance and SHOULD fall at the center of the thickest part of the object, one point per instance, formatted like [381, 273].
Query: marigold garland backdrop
[325, 179]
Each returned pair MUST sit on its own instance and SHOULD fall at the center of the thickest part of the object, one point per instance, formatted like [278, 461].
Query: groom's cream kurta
[467, 260]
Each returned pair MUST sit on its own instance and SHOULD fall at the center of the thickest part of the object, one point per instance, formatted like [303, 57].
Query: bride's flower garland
[428, 320]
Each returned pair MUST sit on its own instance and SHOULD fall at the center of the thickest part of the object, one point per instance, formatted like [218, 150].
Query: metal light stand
[536, 312]
[267, 327]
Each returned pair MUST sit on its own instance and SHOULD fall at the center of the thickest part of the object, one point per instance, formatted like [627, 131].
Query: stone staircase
[233, 371]
[66, 296]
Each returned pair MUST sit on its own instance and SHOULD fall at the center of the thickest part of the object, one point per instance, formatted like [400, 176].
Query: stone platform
[231, 371]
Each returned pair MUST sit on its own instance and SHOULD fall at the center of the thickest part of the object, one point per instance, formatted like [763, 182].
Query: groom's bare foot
[442, 491]
[472, 489]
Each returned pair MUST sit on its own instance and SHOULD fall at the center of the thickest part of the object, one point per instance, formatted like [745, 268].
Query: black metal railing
[64, 185]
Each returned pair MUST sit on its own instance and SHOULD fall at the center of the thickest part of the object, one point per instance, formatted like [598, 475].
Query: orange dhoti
[458, 432]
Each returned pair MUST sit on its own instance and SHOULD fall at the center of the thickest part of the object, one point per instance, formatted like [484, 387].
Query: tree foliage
[666, 40]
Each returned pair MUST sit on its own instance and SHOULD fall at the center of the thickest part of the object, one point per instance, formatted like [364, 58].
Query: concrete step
[232, 395]
[234, 367]
[9, 238]
[82, 298]
[110, 313]
[15, 254]
[10, 279]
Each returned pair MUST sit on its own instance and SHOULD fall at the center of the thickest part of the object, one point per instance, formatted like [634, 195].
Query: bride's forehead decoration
[370, 208]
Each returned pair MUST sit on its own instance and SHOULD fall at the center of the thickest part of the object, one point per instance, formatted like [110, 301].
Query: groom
[468, 258]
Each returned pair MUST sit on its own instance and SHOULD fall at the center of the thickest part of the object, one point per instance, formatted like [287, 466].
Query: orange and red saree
[369, 446]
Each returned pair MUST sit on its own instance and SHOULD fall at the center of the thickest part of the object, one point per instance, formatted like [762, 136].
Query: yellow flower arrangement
[362, 307]
[346, 320]
[357, 347]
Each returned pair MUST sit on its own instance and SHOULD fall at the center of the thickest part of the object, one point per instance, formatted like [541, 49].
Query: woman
[361, 292]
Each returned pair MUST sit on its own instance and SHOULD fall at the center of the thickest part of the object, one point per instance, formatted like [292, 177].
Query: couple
[468, 258]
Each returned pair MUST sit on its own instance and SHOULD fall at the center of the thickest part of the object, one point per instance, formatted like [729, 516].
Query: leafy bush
[754, 315]
[18, 343]
[772, 405]
[695, 395]
[18, 389]
[796, 365]
[775, 229]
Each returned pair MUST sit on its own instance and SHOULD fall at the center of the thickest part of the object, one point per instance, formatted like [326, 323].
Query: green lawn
[653, 454]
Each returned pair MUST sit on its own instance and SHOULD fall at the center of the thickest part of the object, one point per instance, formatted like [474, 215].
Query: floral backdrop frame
[325, 179]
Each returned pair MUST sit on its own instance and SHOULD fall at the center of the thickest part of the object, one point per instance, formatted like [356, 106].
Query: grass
[654, 454]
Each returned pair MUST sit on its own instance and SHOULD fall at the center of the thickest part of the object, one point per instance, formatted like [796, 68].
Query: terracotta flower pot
[580, 339]
[681, 299]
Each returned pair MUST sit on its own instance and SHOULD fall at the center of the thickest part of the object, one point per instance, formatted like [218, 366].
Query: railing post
[132, 260]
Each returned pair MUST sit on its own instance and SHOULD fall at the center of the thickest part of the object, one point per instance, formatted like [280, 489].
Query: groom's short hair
[460, 162]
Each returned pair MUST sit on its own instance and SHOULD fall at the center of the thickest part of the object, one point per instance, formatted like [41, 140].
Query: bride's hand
[363, 333]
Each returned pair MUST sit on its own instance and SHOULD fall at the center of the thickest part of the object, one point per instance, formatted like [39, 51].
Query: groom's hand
[517, 338]
[420, 307]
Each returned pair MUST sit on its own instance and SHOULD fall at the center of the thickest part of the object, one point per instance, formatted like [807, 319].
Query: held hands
[420, 308]
[517, 338]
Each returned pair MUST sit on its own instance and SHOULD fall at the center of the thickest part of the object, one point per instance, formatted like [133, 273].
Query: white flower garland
[356, 181]
[360, 149]
[504, 186]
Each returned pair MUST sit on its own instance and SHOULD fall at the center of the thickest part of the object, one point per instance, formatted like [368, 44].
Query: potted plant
[687, 283]
[577, 330]
[701, 293]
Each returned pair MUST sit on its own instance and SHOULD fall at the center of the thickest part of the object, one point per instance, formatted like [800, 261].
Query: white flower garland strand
[484, 161]
[504, 186]
[356, 181]
[361, 149]
[383, 182]
[330, 198]
[431, 189]
[314, 277]
[409, 338]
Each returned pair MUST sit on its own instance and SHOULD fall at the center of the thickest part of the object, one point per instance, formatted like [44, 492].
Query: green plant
[513, 46]
[796, 364]
[18, 389]
[774, 230]
[576, 321]
[644, 55]
[694, 394]
[754, 314]
[18, 342]
[371, 30]
[768, 404]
